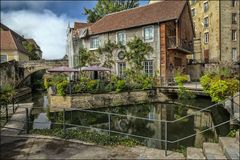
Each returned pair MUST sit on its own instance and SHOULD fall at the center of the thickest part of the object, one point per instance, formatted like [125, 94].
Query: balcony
[183, 45]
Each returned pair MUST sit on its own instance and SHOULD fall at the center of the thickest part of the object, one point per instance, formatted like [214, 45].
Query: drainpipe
[220, 31]
[159, 50]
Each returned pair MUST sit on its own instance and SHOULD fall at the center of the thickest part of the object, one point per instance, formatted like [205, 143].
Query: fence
[166, 122]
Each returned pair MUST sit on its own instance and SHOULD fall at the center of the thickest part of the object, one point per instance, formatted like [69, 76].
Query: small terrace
[186, 46]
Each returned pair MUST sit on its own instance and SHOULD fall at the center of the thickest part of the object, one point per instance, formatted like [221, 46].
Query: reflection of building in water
[202, 121]
[158, 112]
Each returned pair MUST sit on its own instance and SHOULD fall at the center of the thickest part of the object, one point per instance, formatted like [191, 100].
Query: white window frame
[1, 58]
[193, 9]
[234, 35]
[205, 10]
[234, 18]
[146, 68]
[206, 37]
[124, 37]
[120, 73]
[143, 34]
[91, 38]
[207, 22]
[234, 55]
[234, 3]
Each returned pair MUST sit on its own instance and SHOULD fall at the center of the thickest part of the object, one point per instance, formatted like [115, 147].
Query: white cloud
[47, 29]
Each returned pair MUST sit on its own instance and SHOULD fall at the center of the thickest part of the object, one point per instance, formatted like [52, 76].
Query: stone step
[230, 147]
[195, 153]
[213, 151]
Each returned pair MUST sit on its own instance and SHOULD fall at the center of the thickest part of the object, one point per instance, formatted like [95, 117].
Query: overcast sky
[45, 21]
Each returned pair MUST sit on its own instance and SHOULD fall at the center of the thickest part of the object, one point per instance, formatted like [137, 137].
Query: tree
[104, 7]
[30, 47]
[108, 50]
[86, 57]
[137, 51]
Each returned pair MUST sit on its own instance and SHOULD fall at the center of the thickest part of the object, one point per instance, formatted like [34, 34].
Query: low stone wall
[89, 101]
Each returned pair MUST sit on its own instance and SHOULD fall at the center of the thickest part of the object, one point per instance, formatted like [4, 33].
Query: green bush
[6, 93]
[92, 137]
[92, 86]
[121, 85]
[218, 87]
[61, 87]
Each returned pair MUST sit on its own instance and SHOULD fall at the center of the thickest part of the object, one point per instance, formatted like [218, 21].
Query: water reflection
[42, 122]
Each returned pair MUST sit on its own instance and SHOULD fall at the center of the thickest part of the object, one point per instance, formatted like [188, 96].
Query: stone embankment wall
[89, 101]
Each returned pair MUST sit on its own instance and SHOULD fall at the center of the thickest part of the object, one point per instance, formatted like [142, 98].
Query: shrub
[218, 87]
[61, 87]
[121, 85]
[92, 86]
[6, 93]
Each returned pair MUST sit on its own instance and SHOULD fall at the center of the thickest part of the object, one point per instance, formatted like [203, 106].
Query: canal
[150, 126]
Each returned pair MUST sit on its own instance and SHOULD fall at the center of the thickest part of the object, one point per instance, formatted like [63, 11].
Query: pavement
[45, 148]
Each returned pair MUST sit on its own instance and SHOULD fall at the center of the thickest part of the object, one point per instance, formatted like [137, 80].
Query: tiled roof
[79, 25]
[10, 40]
[140, 16]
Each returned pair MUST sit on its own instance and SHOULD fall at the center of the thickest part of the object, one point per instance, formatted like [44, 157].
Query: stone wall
[89, 101]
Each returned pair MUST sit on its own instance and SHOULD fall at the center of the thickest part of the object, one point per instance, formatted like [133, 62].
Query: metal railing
[110, 115]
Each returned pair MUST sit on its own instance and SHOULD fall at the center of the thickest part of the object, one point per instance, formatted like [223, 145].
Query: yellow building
[216, 30]
[11, 47]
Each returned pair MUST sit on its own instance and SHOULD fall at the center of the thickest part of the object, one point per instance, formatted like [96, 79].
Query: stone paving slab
[16, 122]
[195, 153]
[213, 151]
[230, 147]
[46, 148]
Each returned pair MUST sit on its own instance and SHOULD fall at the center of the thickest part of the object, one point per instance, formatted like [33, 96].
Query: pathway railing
[109, 130]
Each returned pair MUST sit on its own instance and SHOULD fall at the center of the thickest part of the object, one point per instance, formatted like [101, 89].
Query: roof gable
[149, 14]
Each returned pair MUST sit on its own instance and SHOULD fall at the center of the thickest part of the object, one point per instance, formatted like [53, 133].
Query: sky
[45, 21]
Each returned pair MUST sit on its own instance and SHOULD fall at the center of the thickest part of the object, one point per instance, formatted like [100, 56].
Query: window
[234, 3]
[234, 18]
[234, 55]
[234, 35]
[148, 34]
[206, 22]
[205, 6]
[3, 58]
[206, 37]
[94, 43]
[148, 67]
[121, 38]
[193, 12]
[194, 1]
[121, 68]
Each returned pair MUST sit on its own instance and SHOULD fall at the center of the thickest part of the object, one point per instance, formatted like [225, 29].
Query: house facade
[166, 26]
[217, 30]
[11, 46]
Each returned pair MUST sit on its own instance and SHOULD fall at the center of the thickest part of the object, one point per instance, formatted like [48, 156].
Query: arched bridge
[30, 67]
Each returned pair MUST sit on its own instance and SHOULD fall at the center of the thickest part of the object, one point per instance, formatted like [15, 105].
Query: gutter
[220, 32]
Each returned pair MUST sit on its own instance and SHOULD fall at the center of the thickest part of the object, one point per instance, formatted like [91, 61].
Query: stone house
[217, 31]
[11, 46]
[167, 26]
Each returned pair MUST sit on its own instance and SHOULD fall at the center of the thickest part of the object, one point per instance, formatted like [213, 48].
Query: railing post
[64, 127]
[27, 120]
[165, 137]
[13, 106]
[109, 124]
[232, 105]
[7, 113]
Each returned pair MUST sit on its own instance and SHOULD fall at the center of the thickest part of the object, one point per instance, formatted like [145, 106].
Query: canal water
[150, 126]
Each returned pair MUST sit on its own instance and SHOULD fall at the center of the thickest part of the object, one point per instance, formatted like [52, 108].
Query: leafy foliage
[92, 137]
[6, 94]
[219, 83]
[85, 57]
[30, 47]
[137, 52]
[104, 7]
[108, 50]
